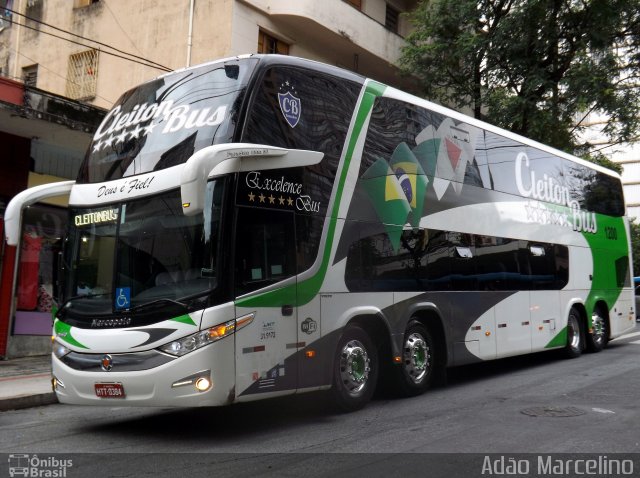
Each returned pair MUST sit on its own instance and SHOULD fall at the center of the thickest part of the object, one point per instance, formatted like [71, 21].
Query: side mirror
[221, 159]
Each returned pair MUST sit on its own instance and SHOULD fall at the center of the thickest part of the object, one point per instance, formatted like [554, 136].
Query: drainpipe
[190, 36]
[18, 8]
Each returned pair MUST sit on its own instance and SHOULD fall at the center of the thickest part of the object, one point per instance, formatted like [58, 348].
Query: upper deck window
[163, 122]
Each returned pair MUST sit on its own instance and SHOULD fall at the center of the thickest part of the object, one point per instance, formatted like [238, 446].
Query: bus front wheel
[415, 374]
[355, 370]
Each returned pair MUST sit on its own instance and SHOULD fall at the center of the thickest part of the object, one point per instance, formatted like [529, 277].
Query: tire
[416, 373]
[575, 342]
[599, 336]
[355, 370]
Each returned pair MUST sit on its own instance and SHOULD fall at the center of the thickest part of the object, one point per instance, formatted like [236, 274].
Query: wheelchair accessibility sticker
[123, 298]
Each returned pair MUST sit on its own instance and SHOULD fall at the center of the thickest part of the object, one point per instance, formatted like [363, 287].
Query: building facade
[94, 50]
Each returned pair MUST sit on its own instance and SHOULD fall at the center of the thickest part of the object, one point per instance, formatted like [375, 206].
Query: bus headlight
[195, 341]
[59, 350]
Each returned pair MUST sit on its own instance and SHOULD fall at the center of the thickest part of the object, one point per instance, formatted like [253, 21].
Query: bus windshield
[163, 122]
[128, 256]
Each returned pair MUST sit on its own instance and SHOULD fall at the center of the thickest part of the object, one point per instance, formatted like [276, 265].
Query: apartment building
[84, 49]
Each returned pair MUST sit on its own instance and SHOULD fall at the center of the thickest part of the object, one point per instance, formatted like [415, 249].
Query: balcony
[341, 33]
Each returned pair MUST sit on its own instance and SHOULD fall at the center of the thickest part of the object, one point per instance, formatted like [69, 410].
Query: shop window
[43, 227]
[270, 44]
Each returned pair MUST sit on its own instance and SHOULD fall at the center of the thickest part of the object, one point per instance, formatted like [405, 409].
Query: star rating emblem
[108, 142]
[121, 138]
[289, 201]
[261, 197]
[135, 132]
[252, 197]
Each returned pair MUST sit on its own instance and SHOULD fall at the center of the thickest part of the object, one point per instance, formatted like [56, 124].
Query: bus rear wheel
[415, 375]
[599, 336]
[355, 371]
[575, 343]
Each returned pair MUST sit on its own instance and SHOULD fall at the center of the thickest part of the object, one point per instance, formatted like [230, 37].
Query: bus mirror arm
[13, 213]
[221, 159]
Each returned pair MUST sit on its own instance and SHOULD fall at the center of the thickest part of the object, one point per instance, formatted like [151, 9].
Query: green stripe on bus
[308, 289]
[607, 246]
[63, 332]
[185, 319]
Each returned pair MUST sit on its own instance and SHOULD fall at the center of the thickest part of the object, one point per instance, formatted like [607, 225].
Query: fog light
[201, 381]
[203, 384]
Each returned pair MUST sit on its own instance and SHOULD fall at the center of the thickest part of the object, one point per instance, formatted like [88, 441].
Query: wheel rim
[599, 328]
[573, 330]
[416, 357]
[355, 366]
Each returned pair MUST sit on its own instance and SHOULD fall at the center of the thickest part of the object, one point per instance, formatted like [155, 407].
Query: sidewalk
[26, 382]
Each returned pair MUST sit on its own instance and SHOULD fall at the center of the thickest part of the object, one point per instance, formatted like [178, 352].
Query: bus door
[265, 274]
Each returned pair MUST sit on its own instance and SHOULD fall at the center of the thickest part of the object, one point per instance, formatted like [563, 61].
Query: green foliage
[635, 246]
[534, 67]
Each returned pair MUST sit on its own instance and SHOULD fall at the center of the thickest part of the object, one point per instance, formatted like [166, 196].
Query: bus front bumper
[174, 383]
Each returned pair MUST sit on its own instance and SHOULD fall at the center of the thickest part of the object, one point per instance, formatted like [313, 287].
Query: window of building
[30, 75]
[5, 14]
[391, 19]
[355, 3]
[82, 75]
[269, 44]
[84, 3]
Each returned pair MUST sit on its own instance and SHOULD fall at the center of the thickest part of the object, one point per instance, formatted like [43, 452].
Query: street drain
[553, 412]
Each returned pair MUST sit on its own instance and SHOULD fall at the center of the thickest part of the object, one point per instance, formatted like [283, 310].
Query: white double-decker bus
[266, 225]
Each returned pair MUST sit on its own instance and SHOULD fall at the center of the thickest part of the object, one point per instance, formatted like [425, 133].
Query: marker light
[195, 341]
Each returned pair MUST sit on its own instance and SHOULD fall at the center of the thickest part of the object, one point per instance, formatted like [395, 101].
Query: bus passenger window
[265, 249]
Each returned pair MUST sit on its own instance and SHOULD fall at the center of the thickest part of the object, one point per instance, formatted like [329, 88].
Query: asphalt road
[538, 404]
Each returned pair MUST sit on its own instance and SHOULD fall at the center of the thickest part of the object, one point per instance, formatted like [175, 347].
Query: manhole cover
[553, 412]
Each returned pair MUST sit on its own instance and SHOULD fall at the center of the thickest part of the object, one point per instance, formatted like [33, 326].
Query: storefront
[37, 145]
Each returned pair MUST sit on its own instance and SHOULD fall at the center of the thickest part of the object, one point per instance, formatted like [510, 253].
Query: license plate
[109, 390]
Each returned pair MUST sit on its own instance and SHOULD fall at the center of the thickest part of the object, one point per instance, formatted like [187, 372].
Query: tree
[534, 67]
[635, 247]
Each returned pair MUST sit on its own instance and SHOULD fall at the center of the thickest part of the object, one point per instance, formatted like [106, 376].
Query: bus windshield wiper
[197, 295]
[69, 301]
[158, 301]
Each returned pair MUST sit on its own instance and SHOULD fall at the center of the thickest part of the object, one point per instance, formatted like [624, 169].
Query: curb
[28, 401]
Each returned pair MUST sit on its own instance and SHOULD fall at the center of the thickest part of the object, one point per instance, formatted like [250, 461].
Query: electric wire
[145, 61]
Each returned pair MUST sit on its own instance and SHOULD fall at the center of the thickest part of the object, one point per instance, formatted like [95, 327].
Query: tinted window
[265, 251]
[318, 120]
[440, 260]
[374, 265]
[163, 122]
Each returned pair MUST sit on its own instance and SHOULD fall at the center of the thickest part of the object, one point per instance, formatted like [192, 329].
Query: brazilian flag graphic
[396, 190]
[412, 180]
